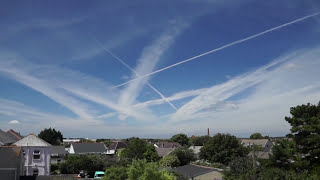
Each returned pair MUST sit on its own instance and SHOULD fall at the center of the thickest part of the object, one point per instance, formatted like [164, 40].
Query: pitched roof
[10, 156]
[60, 150]
[117, 145]
[80, 148]
[14, 134]
[162, 152]
[31, 140]
[260, 142]
[5, 138]
[167, 144]
[190, 170]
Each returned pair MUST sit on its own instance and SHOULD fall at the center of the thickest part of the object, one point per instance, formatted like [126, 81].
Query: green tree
[135, 150]
[74, 164]
[222, 148]
[283, 154]
[142, 170]
[182, 139]
[199, 140]
[305, 130]
[240, 168]
[256, 136]
[116, 173]
[184, 154]
[151, 154]
[51, 136]
[169, 161]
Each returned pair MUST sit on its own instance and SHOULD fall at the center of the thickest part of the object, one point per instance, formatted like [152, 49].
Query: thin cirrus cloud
[221, 48]
[287, 81]
[62, 86]
[146, 63]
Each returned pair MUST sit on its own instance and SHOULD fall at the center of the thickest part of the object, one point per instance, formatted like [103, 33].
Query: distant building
[11, 162]
[58, 154]
[115, 147]
[67, 141]
[87, 148]
[266, 144]
[167, 145]
[162, 152]
[37, 155]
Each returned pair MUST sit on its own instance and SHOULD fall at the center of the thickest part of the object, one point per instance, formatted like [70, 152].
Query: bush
[116, 173]
[184, 154]
[169, 161]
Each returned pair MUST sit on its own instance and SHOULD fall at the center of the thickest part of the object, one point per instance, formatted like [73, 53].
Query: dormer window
[36, 154]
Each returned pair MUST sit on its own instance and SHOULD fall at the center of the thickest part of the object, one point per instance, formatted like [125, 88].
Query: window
[24, 153]
[36, 154]
[35, 172]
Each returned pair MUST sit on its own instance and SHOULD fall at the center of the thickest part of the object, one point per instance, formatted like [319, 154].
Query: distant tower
[208, 132]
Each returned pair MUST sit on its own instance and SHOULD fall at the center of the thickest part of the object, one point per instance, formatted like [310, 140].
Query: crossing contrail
[222, 47]
[127, 66]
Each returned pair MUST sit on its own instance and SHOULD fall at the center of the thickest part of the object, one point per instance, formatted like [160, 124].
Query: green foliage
[184, 154]
[305, 130]
[135, 150]
[279, 174]
[256, 136]
[74, 164]
[51, 136]
[116, 173]
[222, 148]
[241, 168]
[182, 139]
[54, 167]
[86, 141]
[169, 161]
[199, 140]
[151, 154]
[142, 170]
[283, 154]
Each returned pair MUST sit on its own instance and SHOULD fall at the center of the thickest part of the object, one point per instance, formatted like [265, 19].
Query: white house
[37, 155]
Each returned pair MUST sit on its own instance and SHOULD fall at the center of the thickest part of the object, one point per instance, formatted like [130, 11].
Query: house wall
[42, 164]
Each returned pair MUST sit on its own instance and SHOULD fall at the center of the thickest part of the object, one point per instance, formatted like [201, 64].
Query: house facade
[37, 155]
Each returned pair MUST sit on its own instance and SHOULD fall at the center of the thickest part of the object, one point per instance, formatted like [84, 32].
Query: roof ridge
[14, 133]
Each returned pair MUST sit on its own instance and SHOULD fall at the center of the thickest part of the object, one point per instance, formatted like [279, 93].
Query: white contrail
[222, 47]
[127, 66]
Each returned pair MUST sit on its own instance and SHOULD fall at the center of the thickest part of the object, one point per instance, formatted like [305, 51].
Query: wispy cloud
[62, 86]
[220, 48]
[274, 88]
[146, 63]
[135, 73]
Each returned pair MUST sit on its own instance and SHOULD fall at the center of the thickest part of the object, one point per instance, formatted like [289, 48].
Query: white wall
[42, 164]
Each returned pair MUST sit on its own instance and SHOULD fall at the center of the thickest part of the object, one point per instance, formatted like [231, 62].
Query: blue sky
[64, 65]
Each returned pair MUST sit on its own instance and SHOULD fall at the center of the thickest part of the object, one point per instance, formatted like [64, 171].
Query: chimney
[208, 132]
